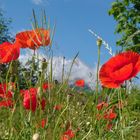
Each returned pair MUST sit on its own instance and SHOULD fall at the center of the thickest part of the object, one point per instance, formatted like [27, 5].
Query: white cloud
[79, 70]
[37, 2]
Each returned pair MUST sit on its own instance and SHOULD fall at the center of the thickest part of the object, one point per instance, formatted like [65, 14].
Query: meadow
[33, 105]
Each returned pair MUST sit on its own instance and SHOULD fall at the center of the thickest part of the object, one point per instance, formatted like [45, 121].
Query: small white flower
[87, 123]
[35, 136]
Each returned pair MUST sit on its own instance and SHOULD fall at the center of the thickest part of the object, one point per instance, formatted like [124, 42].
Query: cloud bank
[79, 70]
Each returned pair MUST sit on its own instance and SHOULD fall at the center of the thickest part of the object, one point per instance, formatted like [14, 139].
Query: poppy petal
[119, 68]
[30, 99]
[9, 52]
[5, 92]
[80, 83]
[33, 39]
[122, 73]
[6, 103]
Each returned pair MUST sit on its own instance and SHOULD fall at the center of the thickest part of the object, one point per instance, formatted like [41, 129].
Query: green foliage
[29, 75]
[127, 15]
[79, 109]
[4, 28]
[4, 36]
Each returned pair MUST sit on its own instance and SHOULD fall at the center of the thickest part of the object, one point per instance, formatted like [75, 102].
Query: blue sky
[73, 19]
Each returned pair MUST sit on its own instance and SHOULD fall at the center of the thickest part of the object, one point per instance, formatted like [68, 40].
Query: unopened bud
[99, 42]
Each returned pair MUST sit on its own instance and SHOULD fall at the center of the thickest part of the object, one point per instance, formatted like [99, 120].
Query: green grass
[78, 109]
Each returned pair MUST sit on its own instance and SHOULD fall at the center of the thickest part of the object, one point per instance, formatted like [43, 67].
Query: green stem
[58, 120]
[63, 69]
[72, 67]
[120, 114]
[97, 74]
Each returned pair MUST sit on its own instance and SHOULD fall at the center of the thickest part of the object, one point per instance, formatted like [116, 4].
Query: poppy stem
[63, 68]
[120, 114]
[98, 64]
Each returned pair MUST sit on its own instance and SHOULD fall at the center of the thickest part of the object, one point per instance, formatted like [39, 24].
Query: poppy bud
[99, 42]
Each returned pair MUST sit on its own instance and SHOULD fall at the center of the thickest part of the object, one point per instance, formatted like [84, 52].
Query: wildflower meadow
[36, 106]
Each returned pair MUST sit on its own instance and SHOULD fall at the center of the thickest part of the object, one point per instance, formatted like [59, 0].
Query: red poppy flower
[33, 39]
[65, 137]
[58, 107]
[31, 90]
[101, 105]
[70, 133]
[30, 100]
[110, 115]
[119, 68]
[6, 103]
[43, 104]
[44, 122]
[80, 83]
[9, 52]
[4, 92]
[46, 86]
